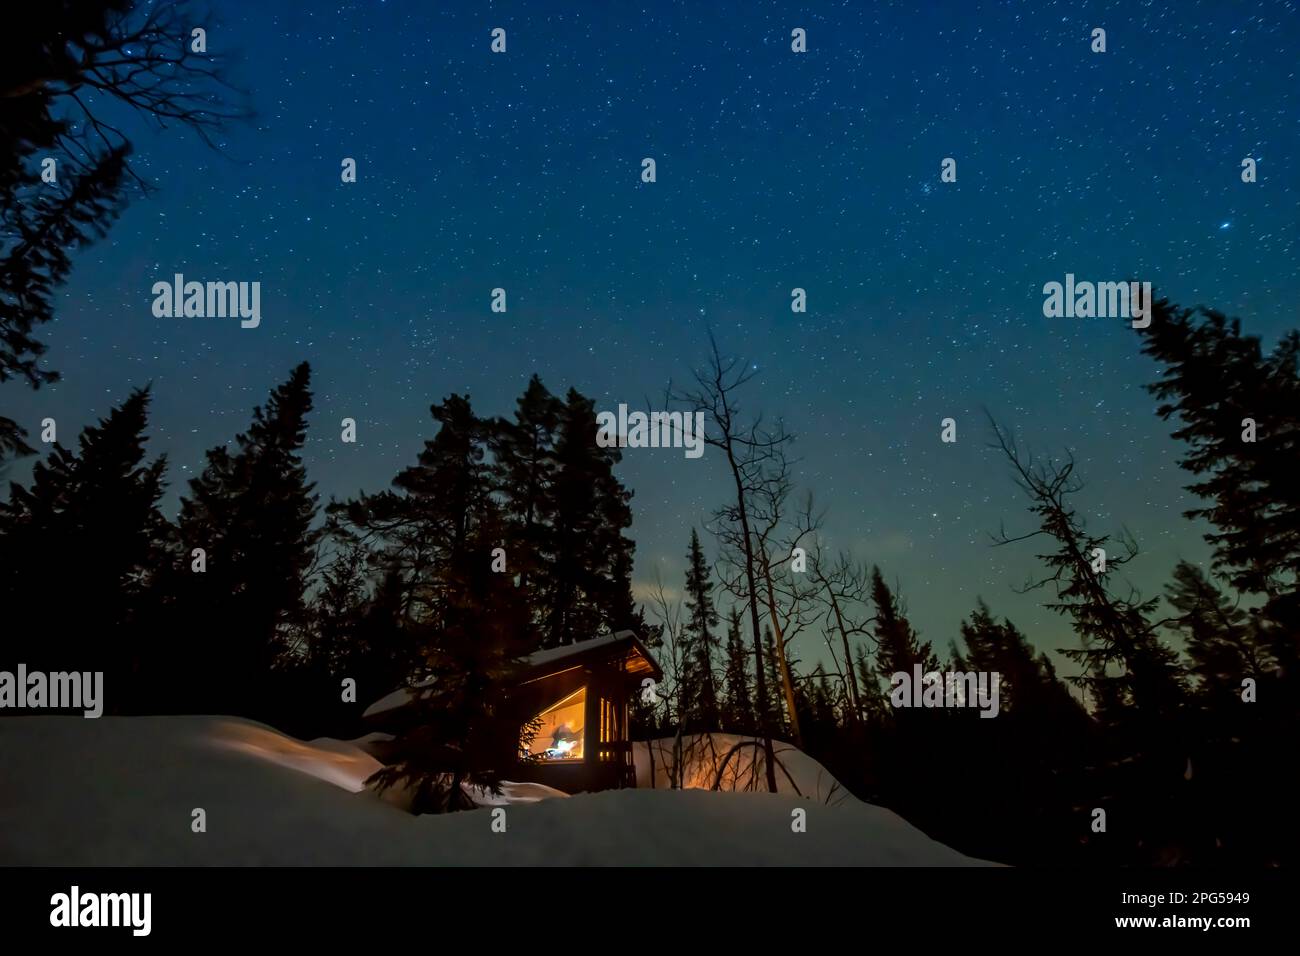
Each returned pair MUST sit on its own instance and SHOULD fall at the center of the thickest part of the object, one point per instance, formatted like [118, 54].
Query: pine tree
[251, 511]
[699, 642]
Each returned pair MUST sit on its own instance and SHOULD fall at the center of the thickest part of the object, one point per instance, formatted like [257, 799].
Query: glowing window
[560, 735]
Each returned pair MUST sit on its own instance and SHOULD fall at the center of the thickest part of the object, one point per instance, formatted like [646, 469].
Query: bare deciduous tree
[843, 590]
[785, 593]
[67, 71]
[748, 448]
[669, 612]
[141, 56]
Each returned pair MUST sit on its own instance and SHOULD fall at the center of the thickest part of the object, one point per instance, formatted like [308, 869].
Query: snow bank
[513, 793]
[347, 764]
[344, 764]
[730, 762]
[121, 790]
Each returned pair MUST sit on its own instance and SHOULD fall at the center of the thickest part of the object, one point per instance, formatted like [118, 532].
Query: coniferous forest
[237, 586]
[1145, 715]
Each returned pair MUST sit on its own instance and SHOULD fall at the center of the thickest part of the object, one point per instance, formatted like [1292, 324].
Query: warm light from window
[560, 734]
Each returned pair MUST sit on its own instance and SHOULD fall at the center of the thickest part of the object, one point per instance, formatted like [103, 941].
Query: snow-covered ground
[121, 791]
[730, 762]
[347, 764]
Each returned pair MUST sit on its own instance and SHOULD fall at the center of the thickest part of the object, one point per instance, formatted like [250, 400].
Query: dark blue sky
[775, 170]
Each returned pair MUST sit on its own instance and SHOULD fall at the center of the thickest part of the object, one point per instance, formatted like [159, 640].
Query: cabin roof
[623, 648]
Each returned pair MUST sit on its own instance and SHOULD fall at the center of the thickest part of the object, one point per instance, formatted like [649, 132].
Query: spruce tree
[1223, 640]
[899, 646]
[817, 701]
[336, 611]
[1027, 679]
[1245, 772]
[251, 512]
[1029, 690]
[447, 490]
[1238, 412]
[383, 653]
[1025, 767]
[1125, 668]
[1135, 683]
[698, 640]
[524, 468]
[94, 509]
[739, 706]
[875, 703]
[588, 560]
[1214, 380]
[419, 532]
[35, 259]
[464, 730]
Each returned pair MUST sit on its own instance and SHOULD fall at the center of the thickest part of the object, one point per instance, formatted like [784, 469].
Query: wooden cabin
[579, 695]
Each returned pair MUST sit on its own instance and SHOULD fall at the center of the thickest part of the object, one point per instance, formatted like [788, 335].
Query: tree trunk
[787, 684]
[855, 701]
[769, 758]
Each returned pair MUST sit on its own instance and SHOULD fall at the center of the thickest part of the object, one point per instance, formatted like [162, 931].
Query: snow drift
[121, 791]
[730, 762]
[348, 764]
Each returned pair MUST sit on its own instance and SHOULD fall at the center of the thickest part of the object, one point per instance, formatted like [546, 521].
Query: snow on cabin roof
[551, 655]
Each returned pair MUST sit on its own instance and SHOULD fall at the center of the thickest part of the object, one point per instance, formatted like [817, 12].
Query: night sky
[775, 170]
